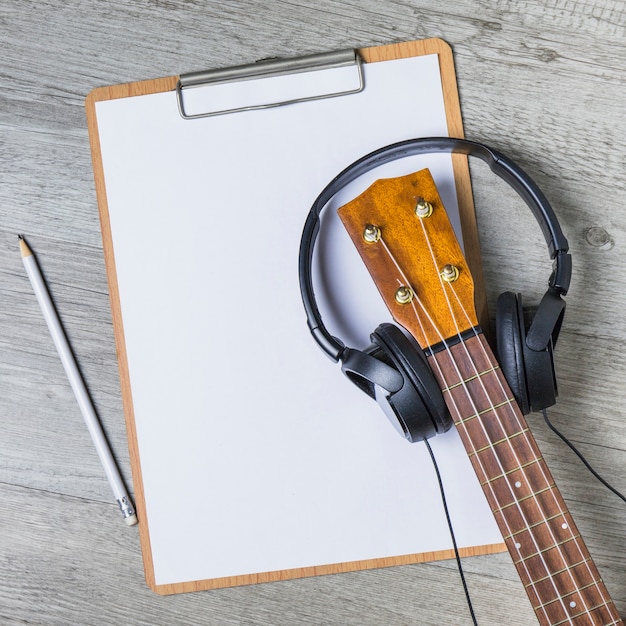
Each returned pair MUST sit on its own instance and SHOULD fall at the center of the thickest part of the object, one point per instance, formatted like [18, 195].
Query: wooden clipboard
[470, 237]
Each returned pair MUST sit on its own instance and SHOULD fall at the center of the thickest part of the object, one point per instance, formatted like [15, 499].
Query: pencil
[77, 383]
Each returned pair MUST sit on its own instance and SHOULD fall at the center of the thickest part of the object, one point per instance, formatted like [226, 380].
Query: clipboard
[235, 484]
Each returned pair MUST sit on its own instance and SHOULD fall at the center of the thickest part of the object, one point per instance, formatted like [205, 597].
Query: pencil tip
[24, 249]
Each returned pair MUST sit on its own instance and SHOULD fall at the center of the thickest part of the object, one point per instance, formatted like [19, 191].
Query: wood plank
[69, 561]
[543, 82]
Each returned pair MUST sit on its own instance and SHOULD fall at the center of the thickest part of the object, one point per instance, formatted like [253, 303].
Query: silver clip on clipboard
[272, 68]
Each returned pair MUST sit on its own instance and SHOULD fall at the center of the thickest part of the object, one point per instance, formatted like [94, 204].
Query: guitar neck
[405, 239]
[560, 578]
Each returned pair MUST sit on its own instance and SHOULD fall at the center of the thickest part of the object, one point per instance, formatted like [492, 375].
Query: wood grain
[541, 81]
[460, 164]
[411, 252]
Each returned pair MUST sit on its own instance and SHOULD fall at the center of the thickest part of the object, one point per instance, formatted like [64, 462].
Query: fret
[522, 467]
[535, 523]
[465, 381]
[521, 512]
[566, 580]
[556, 559]
[520, 484]
[569, 592]
[520, 487]
[493, 403]
[586, 615]
[564, 586]
[482, 436]
[586, 604]
[506, 439]
[570, 597]
[545, 550]
[554, 575]
[479, 394]
[546, 505]
[559, 614]
[512, 451]
[494, 407]
[536, 527]
[564, 608]
[520, 501]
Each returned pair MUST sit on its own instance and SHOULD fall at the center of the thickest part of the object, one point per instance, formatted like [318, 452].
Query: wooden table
[542, 82]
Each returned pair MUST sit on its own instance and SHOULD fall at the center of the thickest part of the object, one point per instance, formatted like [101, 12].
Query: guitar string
[501, 425]
[432, 456]
[447, 348]
[510, 405]
[533, 495]
[454, 403]
[539, 553]
[525, 437]
[452, 399]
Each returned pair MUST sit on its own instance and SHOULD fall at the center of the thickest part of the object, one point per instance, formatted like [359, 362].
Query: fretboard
[560, 578]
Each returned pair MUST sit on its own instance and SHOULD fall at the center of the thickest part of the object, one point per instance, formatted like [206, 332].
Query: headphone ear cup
[530, 373]
[510, 337]
[419, 404]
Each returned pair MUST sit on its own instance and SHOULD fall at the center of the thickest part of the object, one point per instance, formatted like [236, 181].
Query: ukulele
[407, 243]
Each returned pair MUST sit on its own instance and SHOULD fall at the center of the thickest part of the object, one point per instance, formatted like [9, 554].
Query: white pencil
[77, 383]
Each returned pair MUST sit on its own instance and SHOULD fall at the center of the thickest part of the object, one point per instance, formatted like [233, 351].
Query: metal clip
[269, 68]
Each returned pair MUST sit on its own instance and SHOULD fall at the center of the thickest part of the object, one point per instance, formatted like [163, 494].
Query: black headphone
[395, 372]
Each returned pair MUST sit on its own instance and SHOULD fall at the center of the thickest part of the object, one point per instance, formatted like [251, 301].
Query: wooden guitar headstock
[402, 232]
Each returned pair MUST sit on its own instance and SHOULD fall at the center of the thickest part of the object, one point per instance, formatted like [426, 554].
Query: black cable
[445, 504]
[456, 550]
[568, 443]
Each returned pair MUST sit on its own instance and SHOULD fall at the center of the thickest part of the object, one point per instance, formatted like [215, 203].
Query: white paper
[256, 453]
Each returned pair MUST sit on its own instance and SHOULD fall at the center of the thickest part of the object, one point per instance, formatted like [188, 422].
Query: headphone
[393, 370]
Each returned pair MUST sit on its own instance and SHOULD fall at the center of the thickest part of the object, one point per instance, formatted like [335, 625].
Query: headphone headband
[499, 165]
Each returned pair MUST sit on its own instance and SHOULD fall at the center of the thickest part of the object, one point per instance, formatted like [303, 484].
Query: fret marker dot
[518, 484]
[563, 525]
[518, 545]
[572, 604]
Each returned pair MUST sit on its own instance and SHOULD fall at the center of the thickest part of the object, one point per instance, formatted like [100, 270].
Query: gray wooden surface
[542, 81]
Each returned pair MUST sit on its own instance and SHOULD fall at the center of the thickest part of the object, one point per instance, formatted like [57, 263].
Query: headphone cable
[566, 441]
[456, 550]
[573, 448]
